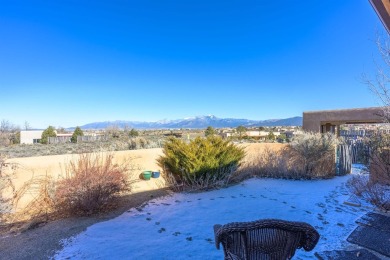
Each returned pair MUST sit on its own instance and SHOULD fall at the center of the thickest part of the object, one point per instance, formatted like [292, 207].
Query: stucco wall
[312, 120]
[27, 137]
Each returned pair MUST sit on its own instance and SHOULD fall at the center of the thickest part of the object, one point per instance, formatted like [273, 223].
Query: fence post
[344, 160]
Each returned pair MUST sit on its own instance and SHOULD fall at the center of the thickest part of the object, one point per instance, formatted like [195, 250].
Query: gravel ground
[44, 240]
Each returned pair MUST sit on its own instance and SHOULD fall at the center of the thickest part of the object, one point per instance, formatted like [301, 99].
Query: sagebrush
[313, 154]
[308, 156]
[202, 163]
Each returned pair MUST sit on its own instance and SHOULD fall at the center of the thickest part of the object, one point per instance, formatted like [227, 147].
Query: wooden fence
[81, 139]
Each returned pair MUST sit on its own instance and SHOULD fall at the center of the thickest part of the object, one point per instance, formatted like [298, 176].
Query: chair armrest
[216, 228]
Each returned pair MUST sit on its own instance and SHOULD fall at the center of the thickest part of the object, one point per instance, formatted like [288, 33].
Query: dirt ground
[40, 240]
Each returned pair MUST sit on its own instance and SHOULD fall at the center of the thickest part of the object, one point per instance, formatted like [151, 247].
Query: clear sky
[68, 63]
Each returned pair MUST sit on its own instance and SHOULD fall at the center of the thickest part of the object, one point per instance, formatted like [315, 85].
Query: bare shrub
[9, 133]
[7, 188]
[90, 182]
[379, 85]
[42, 190]
[358, 184]
[376, 193]
[379, 156]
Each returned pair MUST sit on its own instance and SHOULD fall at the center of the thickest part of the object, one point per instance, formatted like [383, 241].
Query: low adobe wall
[144, 159]
[54, 166]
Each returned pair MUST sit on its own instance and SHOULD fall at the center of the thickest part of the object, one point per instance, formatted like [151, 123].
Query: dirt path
[43, 241]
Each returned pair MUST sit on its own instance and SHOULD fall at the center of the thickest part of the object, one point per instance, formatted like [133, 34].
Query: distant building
[60, 138]
[291, 134]
[226, 134]
[30, 136]
[34, 137]
[252, 133]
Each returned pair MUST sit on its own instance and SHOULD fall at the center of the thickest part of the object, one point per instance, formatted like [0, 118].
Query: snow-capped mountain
[198, 122]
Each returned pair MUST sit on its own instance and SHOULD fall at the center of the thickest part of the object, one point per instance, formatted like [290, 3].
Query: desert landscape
[195, 130]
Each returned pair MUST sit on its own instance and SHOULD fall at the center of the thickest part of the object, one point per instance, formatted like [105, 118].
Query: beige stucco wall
[312, 120]
[54, 166]
[144, 159]
[27, 137]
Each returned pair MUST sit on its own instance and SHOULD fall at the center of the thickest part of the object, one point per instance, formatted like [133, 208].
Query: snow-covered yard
[181, 226]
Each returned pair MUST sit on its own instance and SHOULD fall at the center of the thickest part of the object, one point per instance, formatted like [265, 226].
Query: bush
[6, 171]
[77, 132]
[313, 155]
[308, 156]
[48, 132]
[376, 193]
[379, 157]
[202, 163]
[210, 131]
[133, 133]
[90, 182]
[138, 143]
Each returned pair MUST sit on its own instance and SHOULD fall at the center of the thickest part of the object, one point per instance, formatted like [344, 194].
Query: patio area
[180, 226]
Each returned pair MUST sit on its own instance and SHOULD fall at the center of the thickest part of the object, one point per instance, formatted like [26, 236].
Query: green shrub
[48, 132]
[202, 163]
[133, 133]
[210, 131]
[77, 132]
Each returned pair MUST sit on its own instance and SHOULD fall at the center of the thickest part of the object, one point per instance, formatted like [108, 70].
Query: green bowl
[147, 175]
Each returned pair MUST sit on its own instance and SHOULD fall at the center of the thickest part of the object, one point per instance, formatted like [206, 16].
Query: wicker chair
[264, 239]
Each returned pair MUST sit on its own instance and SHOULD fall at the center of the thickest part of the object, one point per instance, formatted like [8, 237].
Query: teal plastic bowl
[147, 175]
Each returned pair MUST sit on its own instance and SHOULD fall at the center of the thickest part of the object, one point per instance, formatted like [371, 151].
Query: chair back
[265, 239]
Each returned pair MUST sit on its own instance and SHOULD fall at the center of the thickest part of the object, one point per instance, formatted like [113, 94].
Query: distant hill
[198, 122]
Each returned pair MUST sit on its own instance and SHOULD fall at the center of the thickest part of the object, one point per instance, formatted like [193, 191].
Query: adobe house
[330, 120]
[382, 8]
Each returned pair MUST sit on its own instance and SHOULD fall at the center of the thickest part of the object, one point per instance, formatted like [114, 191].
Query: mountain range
[198, 122]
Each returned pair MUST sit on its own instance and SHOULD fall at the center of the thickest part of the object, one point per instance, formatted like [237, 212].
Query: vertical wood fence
[343, 159]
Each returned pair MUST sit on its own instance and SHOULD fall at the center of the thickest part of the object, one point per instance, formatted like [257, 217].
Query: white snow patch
[181, 226]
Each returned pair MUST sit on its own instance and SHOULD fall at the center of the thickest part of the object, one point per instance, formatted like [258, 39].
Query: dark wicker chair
[264, 239]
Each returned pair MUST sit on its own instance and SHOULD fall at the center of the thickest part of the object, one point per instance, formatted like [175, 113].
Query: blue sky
[68, 63]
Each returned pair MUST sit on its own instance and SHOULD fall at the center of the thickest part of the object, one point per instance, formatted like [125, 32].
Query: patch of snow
[181, 226]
